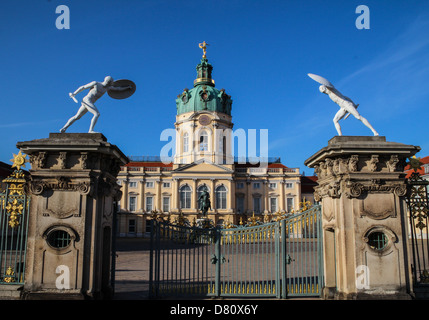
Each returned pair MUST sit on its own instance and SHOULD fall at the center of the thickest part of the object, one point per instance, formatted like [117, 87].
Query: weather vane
[204, 47]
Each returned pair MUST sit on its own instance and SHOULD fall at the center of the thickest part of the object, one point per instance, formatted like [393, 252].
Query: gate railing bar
[217, 262]
[283, 257]
[151, 285]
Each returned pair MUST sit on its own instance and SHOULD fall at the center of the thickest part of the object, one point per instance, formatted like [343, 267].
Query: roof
[155, 161]
[149, 164]
[308, 183]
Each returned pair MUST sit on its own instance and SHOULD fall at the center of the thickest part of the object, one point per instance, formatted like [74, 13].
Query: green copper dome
[204, 95]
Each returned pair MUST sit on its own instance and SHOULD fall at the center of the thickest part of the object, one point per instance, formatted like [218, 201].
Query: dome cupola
[204, 96]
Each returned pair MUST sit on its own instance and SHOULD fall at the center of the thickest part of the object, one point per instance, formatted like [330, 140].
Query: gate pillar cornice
[362, 188]
[71, 222]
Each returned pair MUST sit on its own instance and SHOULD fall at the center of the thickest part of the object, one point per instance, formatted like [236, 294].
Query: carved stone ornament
[353, 161]
[60, 183]
[84, 160]
[36, 187]
[317, 196]
[392, 163]
[185, 96]
[62, 160]
[38, 161]
[373, 163]
[331, 189]
[356, 189]
[401, 190]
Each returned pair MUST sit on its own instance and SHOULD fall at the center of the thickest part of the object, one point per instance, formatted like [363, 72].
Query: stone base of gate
[362, 188]
[10, 292]
[73, 189]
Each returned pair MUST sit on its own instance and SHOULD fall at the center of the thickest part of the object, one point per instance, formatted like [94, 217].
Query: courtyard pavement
[132, 269]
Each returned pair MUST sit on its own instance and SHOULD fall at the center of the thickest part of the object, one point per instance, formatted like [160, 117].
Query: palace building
[204, 160]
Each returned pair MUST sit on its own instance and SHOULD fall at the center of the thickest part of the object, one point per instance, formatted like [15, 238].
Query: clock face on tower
[204, 120]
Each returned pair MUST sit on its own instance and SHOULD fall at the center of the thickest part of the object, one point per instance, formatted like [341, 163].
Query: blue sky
[261, 52]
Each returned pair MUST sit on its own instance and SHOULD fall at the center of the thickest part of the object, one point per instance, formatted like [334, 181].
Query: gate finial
[19, 160]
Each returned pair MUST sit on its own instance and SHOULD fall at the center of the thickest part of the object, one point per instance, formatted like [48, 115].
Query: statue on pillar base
[204, 203]
[347, 106]
[204, 206]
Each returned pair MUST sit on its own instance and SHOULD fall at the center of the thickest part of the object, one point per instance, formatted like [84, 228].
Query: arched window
[221, 197]
[186, 142]
[204, 141]
[185, 197]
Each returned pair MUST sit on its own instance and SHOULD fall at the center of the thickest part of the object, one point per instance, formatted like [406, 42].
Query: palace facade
[204, 160]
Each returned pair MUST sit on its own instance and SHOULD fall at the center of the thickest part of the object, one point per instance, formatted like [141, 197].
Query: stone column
[361, 186]
[265, 192]
[124, 203]
[175, 195]
[194, 197]
[249, 197]
[73, 188]
[282, 207]
[142, 198]
[213, 195]
[158, 195]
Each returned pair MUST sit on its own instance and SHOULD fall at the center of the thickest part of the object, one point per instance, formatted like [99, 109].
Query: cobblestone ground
[132, 269]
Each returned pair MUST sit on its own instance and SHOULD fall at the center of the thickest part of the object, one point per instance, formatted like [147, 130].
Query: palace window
[256, 185]
[149, 204]
[132, 225]
[257, 205]
[132, 203]
[289, 185]
[166, 185]
[204, 141]
[185, 197]
[166, 204]
[149, 184]
[221, 197]
[273, 205]
[273, 185]
[240, 204]
[289, 204]
[240, 185]
[186, 142]
[133, 184]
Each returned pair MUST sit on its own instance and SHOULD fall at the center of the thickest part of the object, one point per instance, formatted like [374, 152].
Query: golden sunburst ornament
[19, 160]
[415, 163]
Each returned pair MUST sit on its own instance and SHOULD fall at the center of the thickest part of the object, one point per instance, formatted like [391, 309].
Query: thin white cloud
[408, 44]
[26, 124]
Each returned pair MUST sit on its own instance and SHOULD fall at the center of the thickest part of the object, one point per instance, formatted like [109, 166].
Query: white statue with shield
[119, 89]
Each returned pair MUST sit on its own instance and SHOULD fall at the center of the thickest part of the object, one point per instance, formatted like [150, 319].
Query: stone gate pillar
[361, 187]
[73, 188]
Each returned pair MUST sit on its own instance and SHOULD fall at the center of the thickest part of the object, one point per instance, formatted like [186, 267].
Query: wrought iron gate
[277, 259]
[418, 210]
[14, 206]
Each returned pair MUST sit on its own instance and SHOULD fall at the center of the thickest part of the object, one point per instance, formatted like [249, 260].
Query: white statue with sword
[347, 106]
[119, 89]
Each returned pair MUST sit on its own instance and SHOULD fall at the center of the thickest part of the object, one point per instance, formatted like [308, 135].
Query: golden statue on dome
[204, 47]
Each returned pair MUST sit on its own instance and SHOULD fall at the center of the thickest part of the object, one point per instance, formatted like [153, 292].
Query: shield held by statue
[123, 94]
